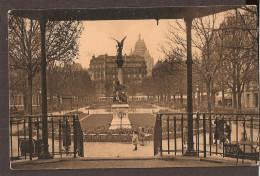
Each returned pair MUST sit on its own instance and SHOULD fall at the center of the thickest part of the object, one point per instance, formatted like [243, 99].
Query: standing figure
[227, 132]
[66, 134]
[135, 140]
[141, 135]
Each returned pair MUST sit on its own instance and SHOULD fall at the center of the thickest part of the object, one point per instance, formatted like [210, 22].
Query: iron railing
[213, 134]
[64, 131]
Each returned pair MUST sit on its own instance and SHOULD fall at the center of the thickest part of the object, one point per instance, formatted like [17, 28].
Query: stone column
[120, 75]
[190, 143]
[120, 63]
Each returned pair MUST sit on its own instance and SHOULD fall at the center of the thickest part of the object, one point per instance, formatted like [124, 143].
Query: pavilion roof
[122, 13]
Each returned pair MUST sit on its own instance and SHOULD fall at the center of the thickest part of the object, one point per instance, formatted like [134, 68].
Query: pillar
[45, 146]
[190, 150]
[120, 75]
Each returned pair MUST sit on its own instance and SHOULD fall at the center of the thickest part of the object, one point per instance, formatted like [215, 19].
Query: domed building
[140, 50]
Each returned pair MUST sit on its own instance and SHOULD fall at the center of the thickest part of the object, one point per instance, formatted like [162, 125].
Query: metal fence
[64, 131]
[228, 135]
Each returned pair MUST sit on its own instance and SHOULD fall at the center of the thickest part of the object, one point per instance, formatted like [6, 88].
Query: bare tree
[205, 64]
[240, 59]
[24, 46]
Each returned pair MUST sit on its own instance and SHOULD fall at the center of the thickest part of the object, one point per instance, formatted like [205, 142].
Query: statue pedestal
[120, 117]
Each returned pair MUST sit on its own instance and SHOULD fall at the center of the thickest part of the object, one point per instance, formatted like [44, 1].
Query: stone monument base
[120, 117]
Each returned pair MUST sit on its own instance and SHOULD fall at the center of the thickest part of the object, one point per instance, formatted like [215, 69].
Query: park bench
[242, 150]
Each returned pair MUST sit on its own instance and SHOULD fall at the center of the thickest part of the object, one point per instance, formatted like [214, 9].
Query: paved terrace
[127, 162]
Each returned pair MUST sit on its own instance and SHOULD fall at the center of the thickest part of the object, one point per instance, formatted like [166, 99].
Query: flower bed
[96, 127]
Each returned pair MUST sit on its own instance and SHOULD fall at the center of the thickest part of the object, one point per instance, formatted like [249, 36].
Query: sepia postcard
[154, 87]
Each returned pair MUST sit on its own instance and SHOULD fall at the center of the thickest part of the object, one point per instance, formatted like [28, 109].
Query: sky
[96, 38]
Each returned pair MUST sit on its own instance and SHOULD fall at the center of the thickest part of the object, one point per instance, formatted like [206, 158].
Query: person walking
[135, 140]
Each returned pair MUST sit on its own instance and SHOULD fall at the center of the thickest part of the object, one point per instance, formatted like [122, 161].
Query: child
[135, 140]
[141, 136]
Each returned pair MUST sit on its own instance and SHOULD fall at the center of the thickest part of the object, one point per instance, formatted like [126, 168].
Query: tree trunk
[193, 100]
[198, 99]
[239, 105]
[29, 94]
[223, 97]
[208, 97]
[25, 106]
[234, 102]
[181, 100]
[213, 98]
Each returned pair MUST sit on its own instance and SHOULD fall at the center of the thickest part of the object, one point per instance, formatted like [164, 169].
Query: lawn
[96, 122]
[145, 120]
[99, 123]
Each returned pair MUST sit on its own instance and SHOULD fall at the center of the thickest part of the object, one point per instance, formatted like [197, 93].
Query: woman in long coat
[66, 134]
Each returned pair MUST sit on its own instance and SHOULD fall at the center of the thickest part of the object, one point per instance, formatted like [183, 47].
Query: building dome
[140, 50]
[140, 47]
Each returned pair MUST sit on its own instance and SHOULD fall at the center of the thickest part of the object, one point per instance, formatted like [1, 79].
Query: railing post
[75, 136]
[251, 133]
[66, 136]
[198, 127]
[37, 137]
[259, 134]
[223, 140]
[210, 134]
[156, 135]
[80, 135]
[182, 134]
[24, 137]
[204, 135]
[18, 140]
[245, 135]
[175, 137]
[30, 137]
[217, 135]
[168, 135]
[52, 136]
[11, 138]
[60, 146]
[160, 134]
[230, 124]
[237, 130]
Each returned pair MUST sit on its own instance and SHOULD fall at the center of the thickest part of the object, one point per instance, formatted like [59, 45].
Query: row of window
[128, 76]
[19, 100]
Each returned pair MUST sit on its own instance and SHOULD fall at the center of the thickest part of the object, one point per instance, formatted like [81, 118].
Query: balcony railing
[65, 137]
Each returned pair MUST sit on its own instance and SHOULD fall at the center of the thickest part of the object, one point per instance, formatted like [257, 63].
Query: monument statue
[120, 93]
[120, 89]
[120, 106]
[119, 47]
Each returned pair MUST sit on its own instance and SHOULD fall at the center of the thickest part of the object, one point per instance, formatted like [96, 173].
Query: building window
[256, 100]
[19, 100]
[15, 100]
[247, 99]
